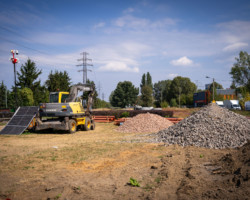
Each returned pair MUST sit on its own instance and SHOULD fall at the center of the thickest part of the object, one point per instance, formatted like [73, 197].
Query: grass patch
[26, 132]
[148, 187]
[53, 158]
[58, 196]
[158, 179]
[242, 112]
[3, 158]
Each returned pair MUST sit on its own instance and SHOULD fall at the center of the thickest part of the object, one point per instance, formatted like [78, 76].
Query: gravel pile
[144, 123]
[210, 127]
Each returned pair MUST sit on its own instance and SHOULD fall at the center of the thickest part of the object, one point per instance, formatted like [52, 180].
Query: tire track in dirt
[185, 188]
[173, 172]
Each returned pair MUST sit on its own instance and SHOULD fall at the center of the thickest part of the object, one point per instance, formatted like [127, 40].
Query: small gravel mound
[144, 123]
[210, 127]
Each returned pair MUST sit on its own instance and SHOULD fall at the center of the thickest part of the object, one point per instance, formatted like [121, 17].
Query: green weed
[133, 182]
[53, 158]
[148, 187]
[158, 179]
[58, 196]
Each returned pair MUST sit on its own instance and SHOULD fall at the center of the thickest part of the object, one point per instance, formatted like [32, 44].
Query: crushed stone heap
[144, 123]
[210, 127]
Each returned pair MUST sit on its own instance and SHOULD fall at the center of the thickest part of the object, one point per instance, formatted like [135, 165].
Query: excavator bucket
[20, 120]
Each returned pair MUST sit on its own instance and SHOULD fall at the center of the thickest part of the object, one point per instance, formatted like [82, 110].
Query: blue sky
[125, 39]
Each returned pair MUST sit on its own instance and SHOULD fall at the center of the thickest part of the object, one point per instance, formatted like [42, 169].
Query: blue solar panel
[20, 120]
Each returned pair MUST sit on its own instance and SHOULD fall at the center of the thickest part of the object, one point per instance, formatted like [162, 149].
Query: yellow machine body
[76, 107]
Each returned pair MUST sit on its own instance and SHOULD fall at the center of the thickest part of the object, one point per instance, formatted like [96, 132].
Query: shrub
[164, 104]
[125, 114]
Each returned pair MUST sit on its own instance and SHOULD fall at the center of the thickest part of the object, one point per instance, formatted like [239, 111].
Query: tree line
[30, 91]
[164, 93]
[180, 90]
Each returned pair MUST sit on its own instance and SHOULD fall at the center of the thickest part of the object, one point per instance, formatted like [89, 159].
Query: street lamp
[213, 88]
[14, 61]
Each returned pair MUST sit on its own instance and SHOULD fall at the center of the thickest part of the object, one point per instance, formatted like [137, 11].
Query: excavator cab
[58, 97]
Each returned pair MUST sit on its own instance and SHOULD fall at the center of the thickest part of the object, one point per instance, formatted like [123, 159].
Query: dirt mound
[210, 127]
[145, 123]
[237, 164]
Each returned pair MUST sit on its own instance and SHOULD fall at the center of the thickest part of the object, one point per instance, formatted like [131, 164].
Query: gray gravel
[210, 127]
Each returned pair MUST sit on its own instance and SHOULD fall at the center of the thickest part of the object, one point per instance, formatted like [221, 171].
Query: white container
[232, 104]
[247, 105]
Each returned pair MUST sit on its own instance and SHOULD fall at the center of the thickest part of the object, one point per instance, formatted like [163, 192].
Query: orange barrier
[174, 120]
[105, 119]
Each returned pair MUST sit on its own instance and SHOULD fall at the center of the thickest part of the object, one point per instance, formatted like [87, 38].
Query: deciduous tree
[160, 92]
[125, 94]
[184, 87]
[240, 72]
[26, 97]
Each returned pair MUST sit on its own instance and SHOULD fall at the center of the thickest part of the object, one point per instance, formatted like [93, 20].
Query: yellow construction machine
[64, 112]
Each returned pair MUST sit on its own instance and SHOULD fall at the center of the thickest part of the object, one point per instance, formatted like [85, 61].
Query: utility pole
[84, 65]
[102, 96]
[6, 98]
[179, 97]
[161, 96]
[213, 89]
[99, 90]
[14, 61]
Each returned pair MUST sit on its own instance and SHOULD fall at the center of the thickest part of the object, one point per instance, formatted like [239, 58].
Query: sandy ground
[99, 164]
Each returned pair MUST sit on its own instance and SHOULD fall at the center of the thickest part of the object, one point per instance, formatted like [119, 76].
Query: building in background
[203, 98]
[227, 93]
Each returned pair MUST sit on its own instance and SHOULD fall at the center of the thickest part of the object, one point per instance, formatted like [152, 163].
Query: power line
[84, 65]
[11, 31]
[18, 44]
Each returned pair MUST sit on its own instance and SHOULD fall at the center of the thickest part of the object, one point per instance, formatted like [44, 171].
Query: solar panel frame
[20, 120]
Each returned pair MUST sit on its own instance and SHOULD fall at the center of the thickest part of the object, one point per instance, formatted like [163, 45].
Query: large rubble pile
[144, 123]
[210, 127]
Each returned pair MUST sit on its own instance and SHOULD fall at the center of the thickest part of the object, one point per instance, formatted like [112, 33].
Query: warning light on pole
[13, 59]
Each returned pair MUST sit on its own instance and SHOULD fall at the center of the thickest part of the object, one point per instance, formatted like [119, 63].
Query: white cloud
[183, 61]
[129, 10]
[235, 46]
[123, 56]
[234, 31]
[115, 66]
[130, 21]
[100, 25]
[135, 48]
[171, 76]
[163, 22]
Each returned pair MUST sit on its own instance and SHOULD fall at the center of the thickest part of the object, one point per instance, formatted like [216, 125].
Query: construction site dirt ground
[99, 164]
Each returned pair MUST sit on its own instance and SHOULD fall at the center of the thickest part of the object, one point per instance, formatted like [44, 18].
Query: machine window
[64, 97]
[53, 98]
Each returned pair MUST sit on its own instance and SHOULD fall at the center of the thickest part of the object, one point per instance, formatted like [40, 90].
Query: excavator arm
[84, 88]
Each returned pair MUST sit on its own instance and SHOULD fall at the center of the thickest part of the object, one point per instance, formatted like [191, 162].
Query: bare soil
[99, 164]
